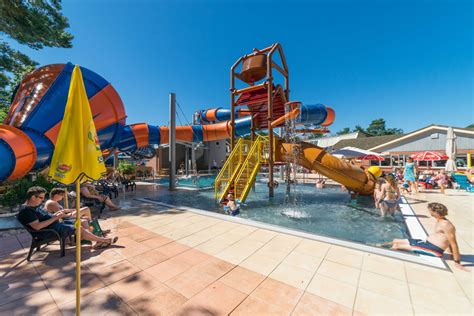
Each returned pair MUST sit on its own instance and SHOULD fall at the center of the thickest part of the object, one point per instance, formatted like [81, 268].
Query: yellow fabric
[77, 155]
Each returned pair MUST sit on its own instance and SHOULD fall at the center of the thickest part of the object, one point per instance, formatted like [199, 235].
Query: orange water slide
[316, 158]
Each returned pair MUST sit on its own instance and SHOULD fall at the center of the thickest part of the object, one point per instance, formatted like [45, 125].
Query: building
[397, 148]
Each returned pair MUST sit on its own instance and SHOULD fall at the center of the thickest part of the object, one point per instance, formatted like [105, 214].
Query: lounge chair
[44, 236]
[463, 182]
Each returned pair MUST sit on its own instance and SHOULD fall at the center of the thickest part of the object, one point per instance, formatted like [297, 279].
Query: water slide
[29, 132]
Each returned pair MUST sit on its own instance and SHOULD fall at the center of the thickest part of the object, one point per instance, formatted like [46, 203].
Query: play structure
[28, 135]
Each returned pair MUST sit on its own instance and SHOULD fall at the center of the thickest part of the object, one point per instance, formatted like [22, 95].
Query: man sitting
[435, 244]
[37, 218]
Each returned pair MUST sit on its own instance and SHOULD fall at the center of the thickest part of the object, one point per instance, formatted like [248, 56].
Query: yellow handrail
[249, 170]
[230, 168]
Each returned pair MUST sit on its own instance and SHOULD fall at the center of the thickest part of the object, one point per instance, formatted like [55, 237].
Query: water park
[255, 208]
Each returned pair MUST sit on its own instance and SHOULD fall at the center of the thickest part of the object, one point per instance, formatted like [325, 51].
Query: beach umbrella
[77, 156]
[451, 150]
[428, 155]
[371, 157]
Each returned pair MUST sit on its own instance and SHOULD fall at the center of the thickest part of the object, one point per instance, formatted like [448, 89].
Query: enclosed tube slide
[30, 130]
[141, 135]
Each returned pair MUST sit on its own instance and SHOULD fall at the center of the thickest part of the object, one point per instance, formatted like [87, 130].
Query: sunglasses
[40, 197]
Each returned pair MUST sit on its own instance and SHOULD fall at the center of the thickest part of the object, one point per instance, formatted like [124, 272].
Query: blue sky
[410, 62]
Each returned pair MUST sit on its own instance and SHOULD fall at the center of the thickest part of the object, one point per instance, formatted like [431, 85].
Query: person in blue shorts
[443, 238]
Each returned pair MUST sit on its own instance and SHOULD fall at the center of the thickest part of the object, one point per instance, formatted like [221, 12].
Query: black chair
[44, 236]
[90, 203]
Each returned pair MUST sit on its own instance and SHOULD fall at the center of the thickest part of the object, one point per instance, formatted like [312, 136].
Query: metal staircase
[241, 173]
[225, 178]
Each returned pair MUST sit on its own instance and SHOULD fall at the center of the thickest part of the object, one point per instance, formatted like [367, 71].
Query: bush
[126, 168]
[17, 194]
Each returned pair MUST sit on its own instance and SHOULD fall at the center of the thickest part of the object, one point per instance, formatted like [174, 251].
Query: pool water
[191, 181]
[327, 212]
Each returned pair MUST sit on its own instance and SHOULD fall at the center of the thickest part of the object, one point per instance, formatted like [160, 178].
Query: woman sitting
[389, 196]
[88, 191]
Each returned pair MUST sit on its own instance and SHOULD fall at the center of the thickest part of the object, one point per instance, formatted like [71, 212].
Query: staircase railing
[231, 167]
[248, 172]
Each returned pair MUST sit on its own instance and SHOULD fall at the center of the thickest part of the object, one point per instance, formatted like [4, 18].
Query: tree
[345, 130]
[37, 24]
[471, 126]
[359, 128]
[377, 128]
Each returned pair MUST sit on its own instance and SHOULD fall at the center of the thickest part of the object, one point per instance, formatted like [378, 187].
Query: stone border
[419, 259]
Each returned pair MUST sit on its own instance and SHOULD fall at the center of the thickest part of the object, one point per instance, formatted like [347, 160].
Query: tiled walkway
[180, 263]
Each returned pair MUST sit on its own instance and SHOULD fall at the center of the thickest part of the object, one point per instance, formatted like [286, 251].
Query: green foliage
[126, 168]
[37, 24]
[345, 130]
[17, 193]
[471, 126]
[375, 128]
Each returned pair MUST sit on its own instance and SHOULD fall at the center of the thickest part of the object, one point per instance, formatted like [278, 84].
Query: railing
[248, 172]
[231, 167]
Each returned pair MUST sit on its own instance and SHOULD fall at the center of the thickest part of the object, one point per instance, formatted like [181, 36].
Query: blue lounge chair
[463, 182]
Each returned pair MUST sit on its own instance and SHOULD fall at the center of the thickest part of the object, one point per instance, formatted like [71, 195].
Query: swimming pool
[191, 181]
[325, 212]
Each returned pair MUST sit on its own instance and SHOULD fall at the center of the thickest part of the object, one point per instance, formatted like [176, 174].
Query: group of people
[37, 215]
[386, 195]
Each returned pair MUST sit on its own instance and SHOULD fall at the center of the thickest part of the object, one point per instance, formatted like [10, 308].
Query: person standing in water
[389, 195]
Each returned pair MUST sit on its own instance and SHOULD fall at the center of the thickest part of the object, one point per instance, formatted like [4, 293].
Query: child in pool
[378, 192]
[232, 207]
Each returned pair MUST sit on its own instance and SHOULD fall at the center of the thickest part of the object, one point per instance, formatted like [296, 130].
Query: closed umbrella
[451, 150]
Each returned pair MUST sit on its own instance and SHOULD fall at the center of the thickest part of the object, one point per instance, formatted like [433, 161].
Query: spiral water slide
[30, 130]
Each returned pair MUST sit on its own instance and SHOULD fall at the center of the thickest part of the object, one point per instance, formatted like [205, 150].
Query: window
[461, 161]
[386, 162]
[439, 163]
[423, 163]
[396, 161]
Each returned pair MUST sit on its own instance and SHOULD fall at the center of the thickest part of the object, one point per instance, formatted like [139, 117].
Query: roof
[398, 138]
[365, 142]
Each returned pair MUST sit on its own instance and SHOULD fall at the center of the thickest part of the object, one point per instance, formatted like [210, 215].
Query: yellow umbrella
[77, 155]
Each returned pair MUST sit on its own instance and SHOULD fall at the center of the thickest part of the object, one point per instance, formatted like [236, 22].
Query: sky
[409, 62]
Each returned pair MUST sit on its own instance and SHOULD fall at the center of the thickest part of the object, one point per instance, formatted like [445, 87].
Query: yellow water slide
[316, 158]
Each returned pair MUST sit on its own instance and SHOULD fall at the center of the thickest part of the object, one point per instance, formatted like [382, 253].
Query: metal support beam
[186, 161]
[172, 145]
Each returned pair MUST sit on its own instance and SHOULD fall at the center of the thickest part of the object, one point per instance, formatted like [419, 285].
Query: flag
[77, 154]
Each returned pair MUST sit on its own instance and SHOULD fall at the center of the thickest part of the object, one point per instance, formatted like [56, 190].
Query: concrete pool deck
[181, 263]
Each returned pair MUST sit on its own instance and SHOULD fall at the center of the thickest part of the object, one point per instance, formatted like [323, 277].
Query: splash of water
[293, 193]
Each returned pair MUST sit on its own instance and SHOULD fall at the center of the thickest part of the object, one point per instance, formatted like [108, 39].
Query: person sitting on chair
[88, 191]
[52, 205]
[35, 217]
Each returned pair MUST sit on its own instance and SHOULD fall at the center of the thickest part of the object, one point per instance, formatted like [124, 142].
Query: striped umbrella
[428, 155]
